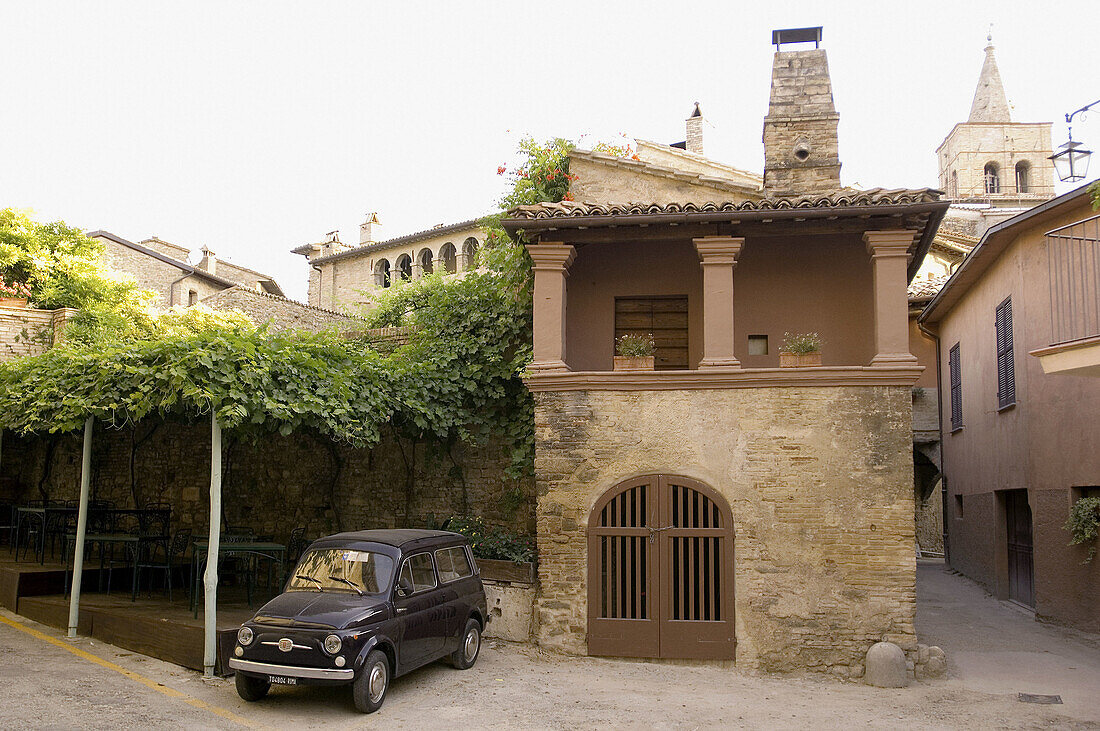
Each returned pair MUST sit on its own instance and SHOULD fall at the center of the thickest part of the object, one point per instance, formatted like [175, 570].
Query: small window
[758, 345]
[954, 192]
[418, 571]
[992, 179]
[959, 507]
[453, 564]
[955, 367]
[1023, 175]
[1006, 368]
[192, 298]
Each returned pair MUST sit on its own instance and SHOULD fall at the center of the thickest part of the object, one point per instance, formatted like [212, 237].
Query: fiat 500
[362, 608]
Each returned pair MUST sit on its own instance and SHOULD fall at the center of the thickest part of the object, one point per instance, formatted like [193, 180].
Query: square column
[889, 252]
[552, 262]
[719, 256]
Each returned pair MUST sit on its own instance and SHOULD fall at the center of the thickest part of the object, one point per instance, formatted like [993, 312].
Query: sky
[254, 127]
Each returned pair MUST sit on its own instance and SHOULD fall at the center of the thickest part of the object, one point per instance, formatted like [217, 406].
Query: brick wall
[819, 481]
[278, 484]
[29, 331]
[280, 313]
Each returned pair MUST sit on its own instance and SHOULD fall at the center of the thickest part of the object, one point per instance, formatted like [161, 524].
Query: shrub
[1084, 523]
[493, 542]
[635, 346]
[801, 343]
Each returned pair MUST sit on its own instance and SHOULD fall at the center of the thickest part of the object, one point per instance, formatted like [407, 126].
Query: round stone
[885, 666]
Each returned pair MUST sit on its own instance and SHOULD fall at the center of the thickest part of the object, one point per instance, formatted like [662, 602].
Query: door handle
[401, 610]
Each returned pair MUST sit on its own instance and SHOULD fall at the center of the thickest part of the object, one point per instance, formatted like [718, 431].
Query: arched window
[382, 273]
[992, 179]
[192, 297]
[426, 265]
[954, 188]
[1023, 177]
[469, 252]
[449, 257]
[405, 267]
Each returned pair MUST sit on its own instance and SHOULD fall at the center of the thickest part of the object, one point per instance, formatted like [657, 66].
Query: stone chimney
[801, 153]
[209, 263]
[369, 230]
[695, 131]
[331, 244]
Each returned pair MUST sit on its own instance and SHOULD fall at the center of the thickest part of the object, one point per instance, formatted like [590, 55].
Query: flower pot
[799, 360]
[13, 301]
[641, 363]
[497, 570]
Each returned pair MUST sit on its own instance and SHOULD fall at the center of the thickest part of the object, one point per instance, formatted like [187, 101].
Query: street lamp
[1071, 162]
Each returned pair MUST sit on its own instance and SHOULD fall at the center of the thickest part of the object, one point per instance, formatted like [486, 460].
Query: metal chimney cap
[797, 35]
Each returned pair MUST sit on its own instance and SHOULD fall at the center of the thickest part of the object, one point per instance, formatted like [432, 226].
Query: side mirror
[404, 586]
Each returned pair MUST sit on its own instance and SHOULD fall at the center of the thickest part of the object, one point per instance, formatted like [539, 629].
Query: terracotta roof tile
[922, 290]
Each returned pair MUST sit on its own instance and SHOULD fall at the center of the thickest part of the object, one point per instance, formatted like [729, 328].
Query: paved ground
[994, 652]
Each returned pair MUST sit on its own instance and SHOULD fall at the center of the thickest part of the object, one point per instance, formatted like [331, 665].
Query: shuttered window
[955, 369]
[665, 318]
[1006, 367]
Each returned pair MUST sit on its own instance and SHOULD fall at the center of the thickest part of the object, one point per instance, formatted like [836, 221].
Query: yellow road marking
[148, 682]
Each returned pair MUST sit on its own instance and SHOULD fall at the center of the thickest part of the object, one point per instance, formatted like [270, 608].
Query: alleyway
[994, 653]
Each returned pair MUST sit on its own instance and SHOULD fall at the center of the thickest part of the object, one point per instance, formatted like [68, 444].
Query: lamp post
[1071, 162]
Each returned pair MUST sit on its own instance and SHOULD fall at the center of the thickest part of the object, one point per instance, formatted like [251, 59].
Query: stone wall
[278, 312]
[277, 485]
[29, 331]
[819, 481]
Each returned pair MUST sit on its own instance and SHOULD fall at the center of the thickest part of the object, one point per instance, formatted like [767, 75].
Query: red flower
[567, 197]
[501, 169]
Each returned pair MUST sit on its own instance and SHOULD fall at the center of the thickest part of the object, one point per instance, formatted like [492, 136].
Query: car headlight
[244, 636]
[332, 644]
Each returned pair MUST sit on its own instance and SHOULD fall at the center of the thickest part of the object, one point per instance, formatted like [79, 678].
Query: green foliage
[635, 346]
[801, 343]
[493, 542]
[1094, 191]
[543, 176]
[61, 267]
[1084, 523]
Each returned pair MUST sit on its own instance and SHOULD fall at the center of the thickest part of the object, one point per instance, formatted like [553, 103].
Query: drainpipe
[939, 412]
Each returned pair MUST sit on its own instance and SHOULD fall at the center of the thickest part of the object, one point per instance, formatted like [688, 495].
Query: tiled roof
[847, 198]
[412, 238]
[957, 242]
[244, 289]
[922, 290]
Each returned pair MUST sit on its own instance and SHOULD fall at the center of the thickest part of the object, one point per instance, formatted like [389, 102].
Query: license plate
[280, 680]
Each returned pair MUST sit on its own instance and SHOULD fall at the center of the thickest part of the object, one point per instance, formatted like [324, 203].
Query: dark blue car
[362, 608]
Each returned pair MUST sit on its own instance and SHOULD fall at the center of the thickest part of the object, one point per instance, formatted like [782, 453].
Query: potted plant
[634, 353]
[800, 350]
[14, 294]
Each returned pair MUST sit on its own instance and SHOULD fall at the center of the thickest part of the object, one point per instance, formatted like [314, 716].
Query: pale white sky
[253, 127]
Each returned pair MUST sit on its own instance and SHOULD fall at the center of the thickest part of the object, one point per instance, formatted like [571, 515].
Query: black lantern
[1071, 162]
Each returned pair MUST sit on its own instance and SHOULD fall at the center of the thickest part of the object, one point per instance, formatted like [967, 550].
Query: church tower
[991, 159]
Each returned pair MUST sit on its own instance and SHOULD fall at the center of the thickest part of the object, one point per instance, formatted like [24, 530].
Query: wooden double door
[660, 571]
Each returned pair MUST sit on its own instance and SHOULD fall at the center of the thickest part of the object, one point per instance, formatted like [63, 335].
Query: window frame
[460, 549]
[1006, 356]
[954, 367]
[435, 574]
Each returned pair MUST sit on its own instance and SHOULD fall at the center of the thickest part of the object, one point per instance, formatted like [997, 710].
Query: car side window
[453, 564]
[418, 571]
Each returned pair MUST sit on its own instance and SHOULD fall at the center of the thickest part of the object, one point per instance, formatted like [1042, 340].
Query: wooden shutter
[1006, 367]
[665, 318]
[956, 386]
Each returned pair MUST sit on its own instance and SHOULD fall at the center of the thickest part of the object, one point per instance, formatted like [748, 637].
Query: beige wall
[1048, 443]
[819, 481]
[924, 348]
[969, 147]
[599, 182]
[820, 284]
[30, 331]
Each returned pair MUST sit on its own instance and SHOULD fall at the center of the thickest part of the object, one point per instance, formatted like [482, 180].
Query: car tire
[369, 688]
[251, 688]
[470, 646]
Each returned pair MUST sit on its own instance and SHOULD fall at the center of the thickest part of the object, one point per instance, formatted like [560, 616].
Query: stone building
[991, 167]
[719, 505]
[342, 276]
[1019, 357]
[163, 268]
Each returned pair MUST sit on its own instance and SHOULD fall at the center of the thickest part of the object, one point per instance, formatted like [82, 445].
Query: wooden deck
[152, 625]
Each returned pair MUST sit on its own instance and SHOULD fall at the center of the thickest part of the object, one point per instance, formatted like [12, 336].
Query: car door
[422, 614]
[455, 576]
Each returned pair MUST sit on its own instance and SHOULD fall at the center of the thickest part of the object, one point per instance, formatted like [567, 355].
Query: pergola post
[81, 528]
[210, 578]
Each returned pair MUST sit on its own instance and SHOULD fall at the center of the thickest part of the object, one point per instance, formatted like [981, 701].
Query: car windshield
[340, 569]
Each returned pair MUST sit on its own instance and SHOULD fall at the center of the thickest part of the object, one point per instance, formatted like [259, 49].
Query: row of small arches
[991, 178]
[447, 258]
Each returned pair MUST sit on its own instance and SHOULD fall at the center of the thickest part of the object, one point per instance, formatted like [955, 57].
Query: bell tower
[991, 159]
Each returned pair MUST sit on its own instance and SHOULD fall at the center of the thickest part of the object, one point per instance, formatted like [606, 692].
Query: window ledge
[1006, 407]
[956, 430]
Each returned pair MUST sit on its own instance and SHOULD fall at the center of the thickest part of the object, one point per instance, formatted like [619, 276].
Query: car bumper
[292, 671]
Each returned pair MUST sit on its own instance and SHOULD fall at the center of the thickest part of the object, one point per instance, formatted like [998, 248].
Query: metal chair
[171, 555]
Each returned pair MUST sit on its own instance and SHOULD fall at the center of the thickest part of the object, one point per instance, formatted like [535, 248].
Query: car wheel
[370, 687]
[251, 688]
[466, 654]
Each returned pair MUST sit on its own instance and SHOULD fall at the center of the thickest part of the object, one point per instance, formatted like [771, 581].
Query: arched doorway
[660, 571]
